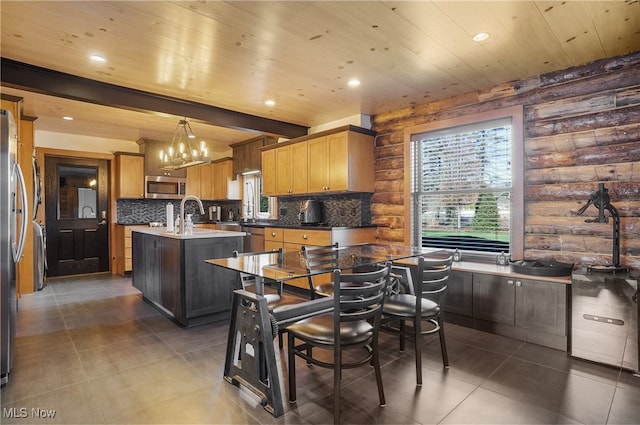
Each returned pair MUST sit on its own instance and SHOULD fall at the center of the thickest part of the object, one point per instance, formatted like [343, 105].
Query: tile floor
[90, 351]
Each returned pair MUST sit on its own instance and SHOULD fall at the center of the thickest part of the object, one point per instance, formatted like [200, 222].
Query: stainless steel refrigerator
[14, 219]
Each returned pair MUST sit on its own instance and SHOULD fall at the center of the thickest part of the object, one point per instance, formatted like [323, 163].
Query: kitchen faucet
[182, 229]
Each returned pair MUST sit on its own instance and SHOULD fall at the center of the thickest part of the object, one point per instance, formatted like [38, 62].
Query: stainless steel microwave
[161, 187]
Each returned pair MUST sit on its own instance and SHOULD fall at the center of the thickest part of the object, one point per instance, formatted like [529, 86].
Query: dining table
[250, 358]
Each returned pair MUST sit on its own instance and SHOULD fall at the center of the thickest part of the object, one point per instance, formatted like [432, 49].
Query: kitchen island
[170, 272]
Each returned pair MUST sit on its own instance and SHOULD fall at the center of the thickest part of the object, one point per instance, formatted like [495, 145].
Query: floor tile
[582, 399]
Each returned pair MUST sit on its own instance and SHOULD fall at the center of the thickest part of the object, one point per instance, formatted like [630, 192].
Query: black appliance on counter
[604, 319]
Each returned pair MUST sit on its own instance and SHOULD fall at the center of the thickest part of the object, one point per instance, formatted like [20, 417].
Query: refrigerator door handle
[17, 253]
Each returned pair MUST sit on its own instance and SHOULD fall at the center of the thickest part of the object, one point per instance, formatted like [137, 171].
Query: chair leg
[292, 368]
[401, 330]
[376, 366]
[337, 375]
[280, 340]
[443, 345]
[417, 325]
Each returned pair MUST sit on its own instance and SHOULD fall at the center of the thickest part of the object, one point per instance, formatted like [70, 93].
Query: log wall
[582, 127]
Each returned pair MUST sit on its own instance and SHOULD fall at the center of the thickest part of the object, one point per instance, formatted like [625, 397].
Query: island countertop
[197, 233]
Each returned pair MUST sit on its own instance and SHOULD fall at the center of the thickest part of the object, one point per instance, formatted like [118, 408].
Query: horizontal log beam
[53, 83]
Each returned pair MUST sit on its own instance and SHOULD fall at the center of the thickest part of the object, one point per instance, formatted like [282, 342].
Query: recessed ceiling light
[354, 82]
[481, 36]
[97, 58]
[270, 102]
[67, 118]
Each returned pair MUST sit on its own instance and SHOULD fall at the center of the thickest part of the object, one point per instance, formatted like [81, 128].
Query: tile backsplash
[349, 209]
[142, 211]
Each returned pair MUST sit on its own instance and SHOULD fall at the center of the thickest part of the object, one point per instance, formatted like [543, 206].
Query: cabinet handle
[304, 236]
[273, 234]
[509, 282]
[518, 283]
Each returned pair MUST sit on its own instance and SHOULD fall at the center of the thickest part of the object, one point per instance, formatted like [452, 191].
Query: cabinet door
[494, 298]
[151, 251]
[208, 289]
[283, 170]
[318, 153]
[207, 173]
[541, 306]
[269, 172]
[299, 168]
[138, 261]
[459, 296]
[193, 181]
[130, 176]
[338, 165]
[171, 286]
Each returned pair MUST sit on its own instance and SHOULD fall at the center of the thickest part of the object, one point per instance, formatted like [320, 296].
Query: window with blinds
[462, 187]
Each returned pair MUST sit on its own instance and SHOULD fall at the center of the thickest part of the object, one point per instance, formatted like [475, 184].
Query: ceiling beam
[32, 78]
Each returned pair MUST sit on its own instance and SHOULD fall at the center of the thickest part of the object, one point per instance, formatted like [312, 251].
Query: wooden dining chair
[423, 305]
[352, 325]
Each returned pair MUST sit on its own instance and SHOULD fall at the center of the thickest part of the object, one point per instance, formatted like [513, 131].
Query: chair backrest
[432, 277]
[359, 296]
[320, 260]
[248, 280]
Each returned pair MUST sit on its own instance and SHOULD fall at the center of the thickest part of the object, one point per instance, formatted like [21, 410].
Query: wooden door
[208, 185]
[130, 176]
[76, 208]
[338, 162]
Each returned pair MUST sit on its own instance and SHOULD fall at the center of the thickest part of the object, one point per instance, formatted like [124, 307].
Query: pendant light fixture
[183, 151]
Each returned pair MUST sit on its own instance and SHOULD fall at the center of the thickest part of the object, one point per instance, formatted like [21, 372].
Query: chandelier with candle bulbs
[183, 151]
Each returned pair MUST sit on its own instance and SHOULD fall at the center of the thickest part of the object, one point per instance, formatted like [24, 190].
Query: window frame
[515, 113]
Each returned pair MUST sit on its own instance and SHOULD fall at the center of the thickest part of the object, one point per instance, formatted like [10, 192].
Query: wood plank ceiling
[235, 55]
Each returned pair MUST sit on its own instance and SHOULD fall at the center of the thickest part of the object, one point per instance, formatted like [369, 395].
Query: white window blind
[462, 185]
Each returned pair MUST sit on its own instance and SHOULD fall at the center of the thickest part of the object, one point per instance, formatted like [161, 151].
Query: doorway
[76, 215]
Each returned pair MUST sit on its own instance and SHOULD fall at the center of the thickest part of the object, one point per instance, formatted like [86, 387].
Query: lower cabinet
[527, 309]
[172, 275]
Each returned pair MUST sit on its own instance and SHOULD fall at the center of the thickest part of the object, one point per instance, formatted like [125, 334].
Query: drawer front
[273, 234]
[272, 245]
[307, 237]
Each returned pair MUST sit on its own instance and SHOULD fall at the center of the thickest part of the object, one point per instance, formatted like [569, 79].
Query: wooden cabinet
[124, 257]
[527, 309]
[284, 170]
[273, 239]
[152, 164]
[494, 298]
[246, 154]
[291, 169]
[213, 181]
[541, 306]
[225, 186]
[200, 181]
[129, 175]
[340, 160]
[459, 296]
[172, 274]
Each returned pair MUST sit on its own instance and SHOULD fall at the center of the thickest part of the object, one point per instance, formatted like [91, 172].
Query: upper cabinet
[213, 181]
[246, 154]
[152, 167]
[334, 161]
[129, 175]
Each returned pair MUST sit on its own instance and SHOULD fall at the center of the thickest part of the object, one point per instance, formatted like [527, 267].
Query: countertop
[197, 233]
[495, 270]
[266, 224]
